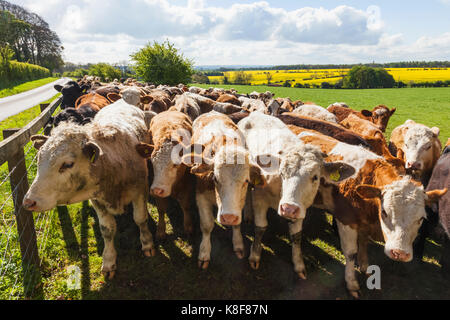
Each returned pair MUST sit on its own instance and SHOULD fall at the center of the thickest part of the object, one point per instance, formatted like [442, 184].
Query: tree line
[26, 37]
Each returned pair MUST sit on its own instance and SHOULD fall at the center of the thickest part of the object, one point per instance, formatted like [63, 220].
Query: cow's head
[230, 172]
[401, 212]
[301, 170]
[65, 164]
[418, 146]
[71, 91]
[165, 157]
[380, 116]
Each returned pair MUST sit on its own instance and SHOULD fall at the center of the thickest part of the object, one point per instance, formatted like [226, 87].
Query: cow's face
[418, 146]
[231, 172]
[63, 170]
[166, 169]
[71, 91]
[381, 116]
[301, 172]
[401, 213]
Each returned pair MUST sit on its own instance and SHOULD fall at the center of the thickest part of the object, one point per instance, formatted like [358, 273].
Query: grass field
[19, 88]
[69, 238]
[317, 76]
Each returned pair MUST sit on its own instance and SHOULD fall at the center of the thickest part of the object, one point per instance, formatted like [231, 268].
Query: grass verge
[19, 88]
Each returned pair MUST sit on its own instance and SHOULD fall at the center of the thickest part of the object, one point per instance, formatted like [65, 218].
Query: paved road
[15, 104]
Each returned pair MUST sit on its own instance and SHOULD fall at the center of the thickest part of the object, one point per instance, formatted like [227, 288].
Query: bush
[287, 84]
[13, 72]
[362, 77]
[162, 63]
[104, 71]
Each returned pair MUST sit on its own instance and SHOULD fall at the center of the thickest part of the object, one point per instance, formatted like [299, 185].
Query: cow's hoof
[203, 264]
[355, 294]
[108, 275]
[254, 265]
[239, 254]
[302, 275]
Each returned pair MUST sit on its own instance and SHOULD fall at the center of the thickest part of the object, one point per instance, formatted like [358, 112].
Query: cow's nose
[229, 219]
[29, 204]
[157, 192]
[400, 255]
[290, 211]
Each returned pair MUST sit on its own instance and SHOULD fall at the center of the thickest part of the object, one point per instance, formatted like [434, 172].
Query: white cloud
[252, 33]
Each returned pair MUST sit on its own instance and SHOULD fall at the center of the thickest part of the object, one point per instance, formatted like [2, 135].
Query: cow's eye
[65, 166]
[428, 148]
[384, 214]
[315, 178]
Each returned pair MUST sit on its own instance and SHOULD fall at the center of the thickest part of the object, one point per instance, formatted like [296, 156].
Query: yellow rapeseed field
[317, 76]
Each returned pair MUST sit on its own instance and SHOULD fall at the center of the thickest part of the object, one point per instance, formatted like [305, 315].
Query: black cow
[71, 91]
[82, 115]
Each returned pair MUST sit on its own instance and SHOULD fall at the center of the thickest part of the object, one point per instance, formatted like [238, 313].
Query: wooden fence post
[24, 218]
[49, 125]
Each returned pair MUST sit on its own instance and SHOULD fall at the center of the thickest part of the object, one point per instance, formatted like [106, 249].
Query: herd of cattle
[118, 143]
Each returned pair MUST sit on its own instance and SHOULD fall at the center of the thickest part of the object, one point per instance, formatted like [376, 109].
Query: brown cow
[380, 201]
[171, 177]
[333, 130]
[380, 115]
[221, 163]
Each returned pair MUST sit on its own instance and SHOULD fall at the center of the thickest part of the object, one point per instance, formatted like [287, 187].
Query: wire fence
[23, 235]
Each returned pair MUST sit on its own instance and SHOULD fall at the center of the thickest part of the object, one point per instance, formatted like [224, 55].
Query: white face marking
[165, 171]
[418, 145]
[353, 155]
[403, 210]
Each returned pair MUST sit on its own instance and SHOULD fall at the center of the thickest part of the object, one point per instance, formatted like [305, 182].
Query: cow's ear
[146, 99]
[393, 111]
[268, 162]
[202, 169]
[366, 113]
[58, 87]
[145, 150]
[92, 151]
[436, 131]
[256, 177]
[113, 97]
[366, 191]
[38, 141]
[335, 172]
[434, 196]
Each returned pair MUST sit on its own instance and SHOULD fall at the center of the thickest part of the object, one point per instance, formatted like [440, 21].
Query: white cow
[293, 173]
[99, 162]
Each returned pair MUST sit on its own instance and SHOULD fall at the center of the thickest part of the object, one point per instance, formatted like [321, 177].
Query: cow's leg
[161, 205]
[108, 229]
[248, 208]
[205, 209]
[238, 242]
[260, 215]
[295, 231]
[140, 215]
[349, 245]
[363, 260]
[185, 204]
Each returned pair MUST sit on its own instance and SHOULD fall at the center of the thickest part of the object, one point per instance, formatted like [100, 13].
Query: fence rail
[12, 151]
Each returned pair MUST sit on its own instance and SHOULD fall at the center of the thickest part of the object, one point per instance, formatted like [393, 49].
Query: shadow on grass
[173, 273]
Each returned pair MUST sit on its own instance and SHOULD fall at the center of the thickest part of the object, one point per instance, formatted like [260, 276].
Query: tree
[104, 71]
[200, 77]
[362, 77]
[162, 63]
[243, 78]
[269, 77]
[33, 42]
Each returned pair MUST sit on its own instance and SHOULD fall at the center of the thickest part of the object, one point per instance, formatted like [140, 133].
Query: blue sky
[252, 32]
